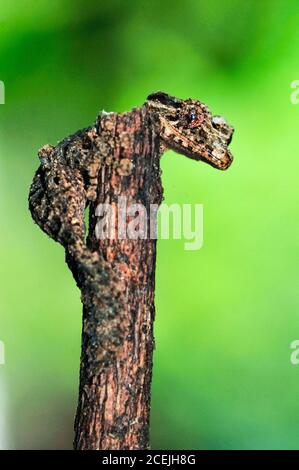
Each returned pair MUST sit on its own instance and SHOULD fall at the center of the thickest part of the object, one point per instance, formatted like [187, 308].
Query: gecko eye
[192, 116]
[195, 119]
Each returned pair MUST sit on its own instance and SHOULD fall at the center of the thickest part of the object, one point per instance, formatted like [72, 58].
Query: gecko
[118, 154]
[67, 179]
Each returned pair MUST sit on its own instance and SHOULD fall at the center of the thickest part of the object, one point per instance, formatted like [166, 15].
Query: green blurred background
[226, 314]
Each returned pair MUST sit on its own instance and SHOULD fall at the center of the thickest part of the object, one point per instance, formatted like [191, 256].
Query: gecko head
[188, 127]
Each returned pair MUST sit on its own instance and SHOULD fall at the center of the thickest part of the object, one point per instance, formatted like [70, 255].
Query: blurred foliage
[225, 314]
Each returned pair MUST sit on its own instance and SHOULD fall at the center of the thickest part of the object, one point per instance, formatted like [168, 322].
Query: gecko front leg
[58, 197]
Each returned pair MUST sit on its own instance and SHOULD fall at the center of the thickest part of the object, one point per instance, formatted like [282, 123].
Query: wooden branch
[118, 156]
[114, 399]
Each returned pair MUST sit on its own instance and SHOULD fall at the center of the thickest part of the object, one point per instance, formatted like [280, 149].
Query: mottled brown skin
[118, 156]
[188, 127]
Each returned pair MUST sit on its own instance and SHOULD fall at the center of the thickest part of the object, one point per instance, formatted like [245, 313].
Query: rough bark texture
[118, 156]
[114, 403]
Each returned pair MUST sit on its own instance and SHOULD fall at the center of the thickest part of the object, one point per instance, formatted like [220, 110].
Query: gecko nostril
[226, 131]
[218, 122]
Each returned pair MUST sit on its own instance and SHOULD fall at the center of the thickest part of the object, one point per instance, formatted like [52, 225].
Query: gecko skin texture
[67, 180]
[119, 155]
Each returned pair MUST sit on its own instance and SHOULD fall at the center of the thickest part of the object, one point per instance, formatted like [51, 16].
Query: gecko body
[68, 180]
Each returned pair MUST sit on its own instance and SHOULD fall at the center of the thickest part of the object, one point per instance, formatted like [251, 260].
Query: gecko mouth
[222, 162]
[219, 157]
